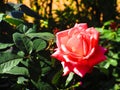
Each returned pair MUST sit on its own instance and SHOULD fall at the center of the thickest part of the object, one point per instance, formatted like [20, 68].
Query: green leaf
[77, 84]
[113, 62]
[69, 78]
[8, 61]
[117, 39]
[104, 64]
[42, 85]
[104, 70]
[103, 30]
[44, 35]
[14, 21]
[45, 70]
[18, 71]
[56, 77]
[23, 42]
[108, 22]
[22, 80]
[8, 56]
[44, 60]
[39, 44]
[21, 53]
[5, 45]
[1, 16]
[30, 30]
[117, 87]
[25, 62]
[107, 34]
[45, 65]
[22, 28]
[5, 67]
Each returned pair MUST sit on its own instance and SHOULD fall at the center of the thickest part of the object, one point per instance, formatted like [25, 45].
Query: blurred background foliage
[94, 12]
[27, 39]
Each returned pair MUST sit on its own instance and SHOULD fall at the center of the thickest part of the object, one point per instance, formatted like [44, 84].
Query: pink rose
[78, 49]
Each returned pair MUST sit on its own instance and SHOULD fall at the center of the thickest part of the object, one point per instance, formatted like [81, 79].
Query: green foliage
[5, 45]
[43, 86]
[39, 44]
[25, 48]
[57, 77]
[22, 80]
[8, 61]
[69, 78]
[23, 42]
[1, 16]
[43, 35]
[13, 21]
[19, 71]
[23, 58]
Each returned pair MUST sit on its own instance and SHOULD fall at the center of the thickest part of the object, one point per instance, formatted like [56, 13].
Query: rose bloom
[78, 49]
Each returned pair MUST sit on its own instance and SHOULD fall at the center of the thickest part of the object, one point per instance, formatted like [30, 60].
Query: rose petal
[81, 71]
[98, 56]
[62, 38]
[94, 34]
[73, 44]
[70, 60]
[77, 29]
[78, 45]
[81, 25]
[66, 69]
[58, 55]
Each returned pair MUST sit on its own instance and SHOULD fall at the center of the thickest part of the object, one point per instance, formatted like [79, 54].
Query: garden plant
[75, 48]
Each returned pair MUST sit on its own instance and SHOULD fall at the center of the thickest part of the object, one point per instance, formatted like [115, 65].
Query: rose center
[77, 44]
